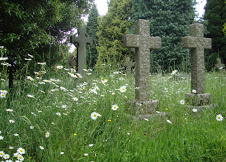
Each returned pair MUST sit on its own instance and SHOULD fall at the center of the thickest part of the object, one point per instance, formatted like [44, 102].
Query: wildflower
[219, 117]
[41, 63]
[9, 110]
[61, 153]
[15, 154]
[30, 78]
[166, 109]
[128, 133]
[1, 138]
[6, 156]
[11, 148]
[30, 96]
[63, 89]
[194, 91]
[2, 95]
[123, 89]
[21, 150]
[41, 147]
[168, 121]
[174, 72]
[2, 153]
[58, 113]
[94, 115]
[41, 82]
[60, 67]
[47, 134]
[182, 102]
[20, 158]
[27, 59]
[194, 110]
[3, 58]
[75, 98]
[146, 119]
[75, 134]
[16, 134]
[90, 145]
[30, 55]
[114, 107]
[109, 120]
[86, 154]
[221, 67]
[64, 106]
[11, 121]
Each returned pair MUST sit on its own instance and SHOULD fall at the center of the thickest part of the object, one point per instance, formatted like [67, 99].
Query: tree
[215, 15]
[111, 28]
[169, 20]
[30, 26]
[92, 28]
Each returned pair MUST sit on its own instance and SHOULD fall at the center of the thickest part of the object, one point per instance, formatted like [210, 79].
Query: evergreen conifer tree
[112, 27]
[215, 14]
[92, 29]
[169, 20]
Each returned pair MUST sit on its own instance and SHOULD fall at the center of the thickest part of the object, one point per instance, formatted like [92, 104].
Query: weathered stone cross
[197, 43]
[143, 42]
[82, 40]
[219, 64]
[128, 64]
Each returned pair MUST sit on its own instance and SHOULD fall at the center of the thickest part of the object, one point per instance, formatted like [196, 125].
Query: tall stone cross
[142, 42]
[81, 41]
[197, 43]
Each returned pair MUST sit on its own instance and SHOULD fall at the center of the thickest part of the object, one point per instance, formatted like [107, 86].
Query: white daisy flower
[114, 107]
[122, 89]
[219, 117]
[21, 150]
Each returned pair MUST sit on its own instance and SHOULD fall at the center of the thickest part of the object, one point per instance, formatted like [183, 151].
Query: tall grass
[114, 136]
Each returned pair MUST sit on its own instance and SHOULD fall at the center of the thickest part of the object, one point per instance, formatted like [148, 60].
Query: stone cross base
[198, 100]
[147, 107]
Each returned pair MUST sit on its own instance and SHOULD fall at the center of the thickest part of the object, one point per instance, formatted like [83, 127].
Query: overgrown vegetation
[50, 118]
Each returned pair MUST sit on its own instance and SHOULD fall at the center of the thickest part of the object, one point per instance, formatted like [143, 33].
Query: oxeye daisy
[194, 91]
[1, 138]
[114, 107]
[75, 98]
[11, 121]
[21, 150]
[41, 147]
[122, 89]
[219, 117]
[94, 115]
[60, 67]
[194, 110]
[20, 158]
[2, 153]
[182, 102]
[6, 156]
[47, 134]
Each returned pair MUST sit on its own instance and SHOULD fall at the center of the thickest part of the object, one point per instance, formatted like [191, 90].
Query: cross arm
[131, 40]
[194, 42]
[154, 42]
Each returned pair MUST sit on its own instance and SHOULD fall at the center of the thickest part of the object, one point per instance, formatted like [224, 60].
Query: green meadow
[50, 118]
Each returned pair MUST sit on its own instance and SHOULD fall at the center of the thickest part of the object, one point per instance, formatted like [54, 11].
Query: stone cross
[219, 64]
[82, 40]
[197, 43]
[142, 42]
[128, 64]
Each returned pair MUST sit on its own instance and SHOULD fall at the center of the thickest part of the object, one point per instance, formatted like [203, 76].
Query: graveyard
[125, 108]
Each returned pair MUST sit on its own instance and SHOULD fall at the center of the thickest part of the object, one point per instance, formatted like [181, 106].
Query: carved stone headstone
[128, 64]
[81, 41]
[219, 64]
[197, 43]
[142, 42]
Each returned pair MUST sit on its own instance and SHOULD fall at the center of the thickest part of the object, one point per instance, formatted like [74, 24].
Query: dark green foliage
[92, 29]
[34, 26]
[169, 20]
[215, 15]
[112, 27]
